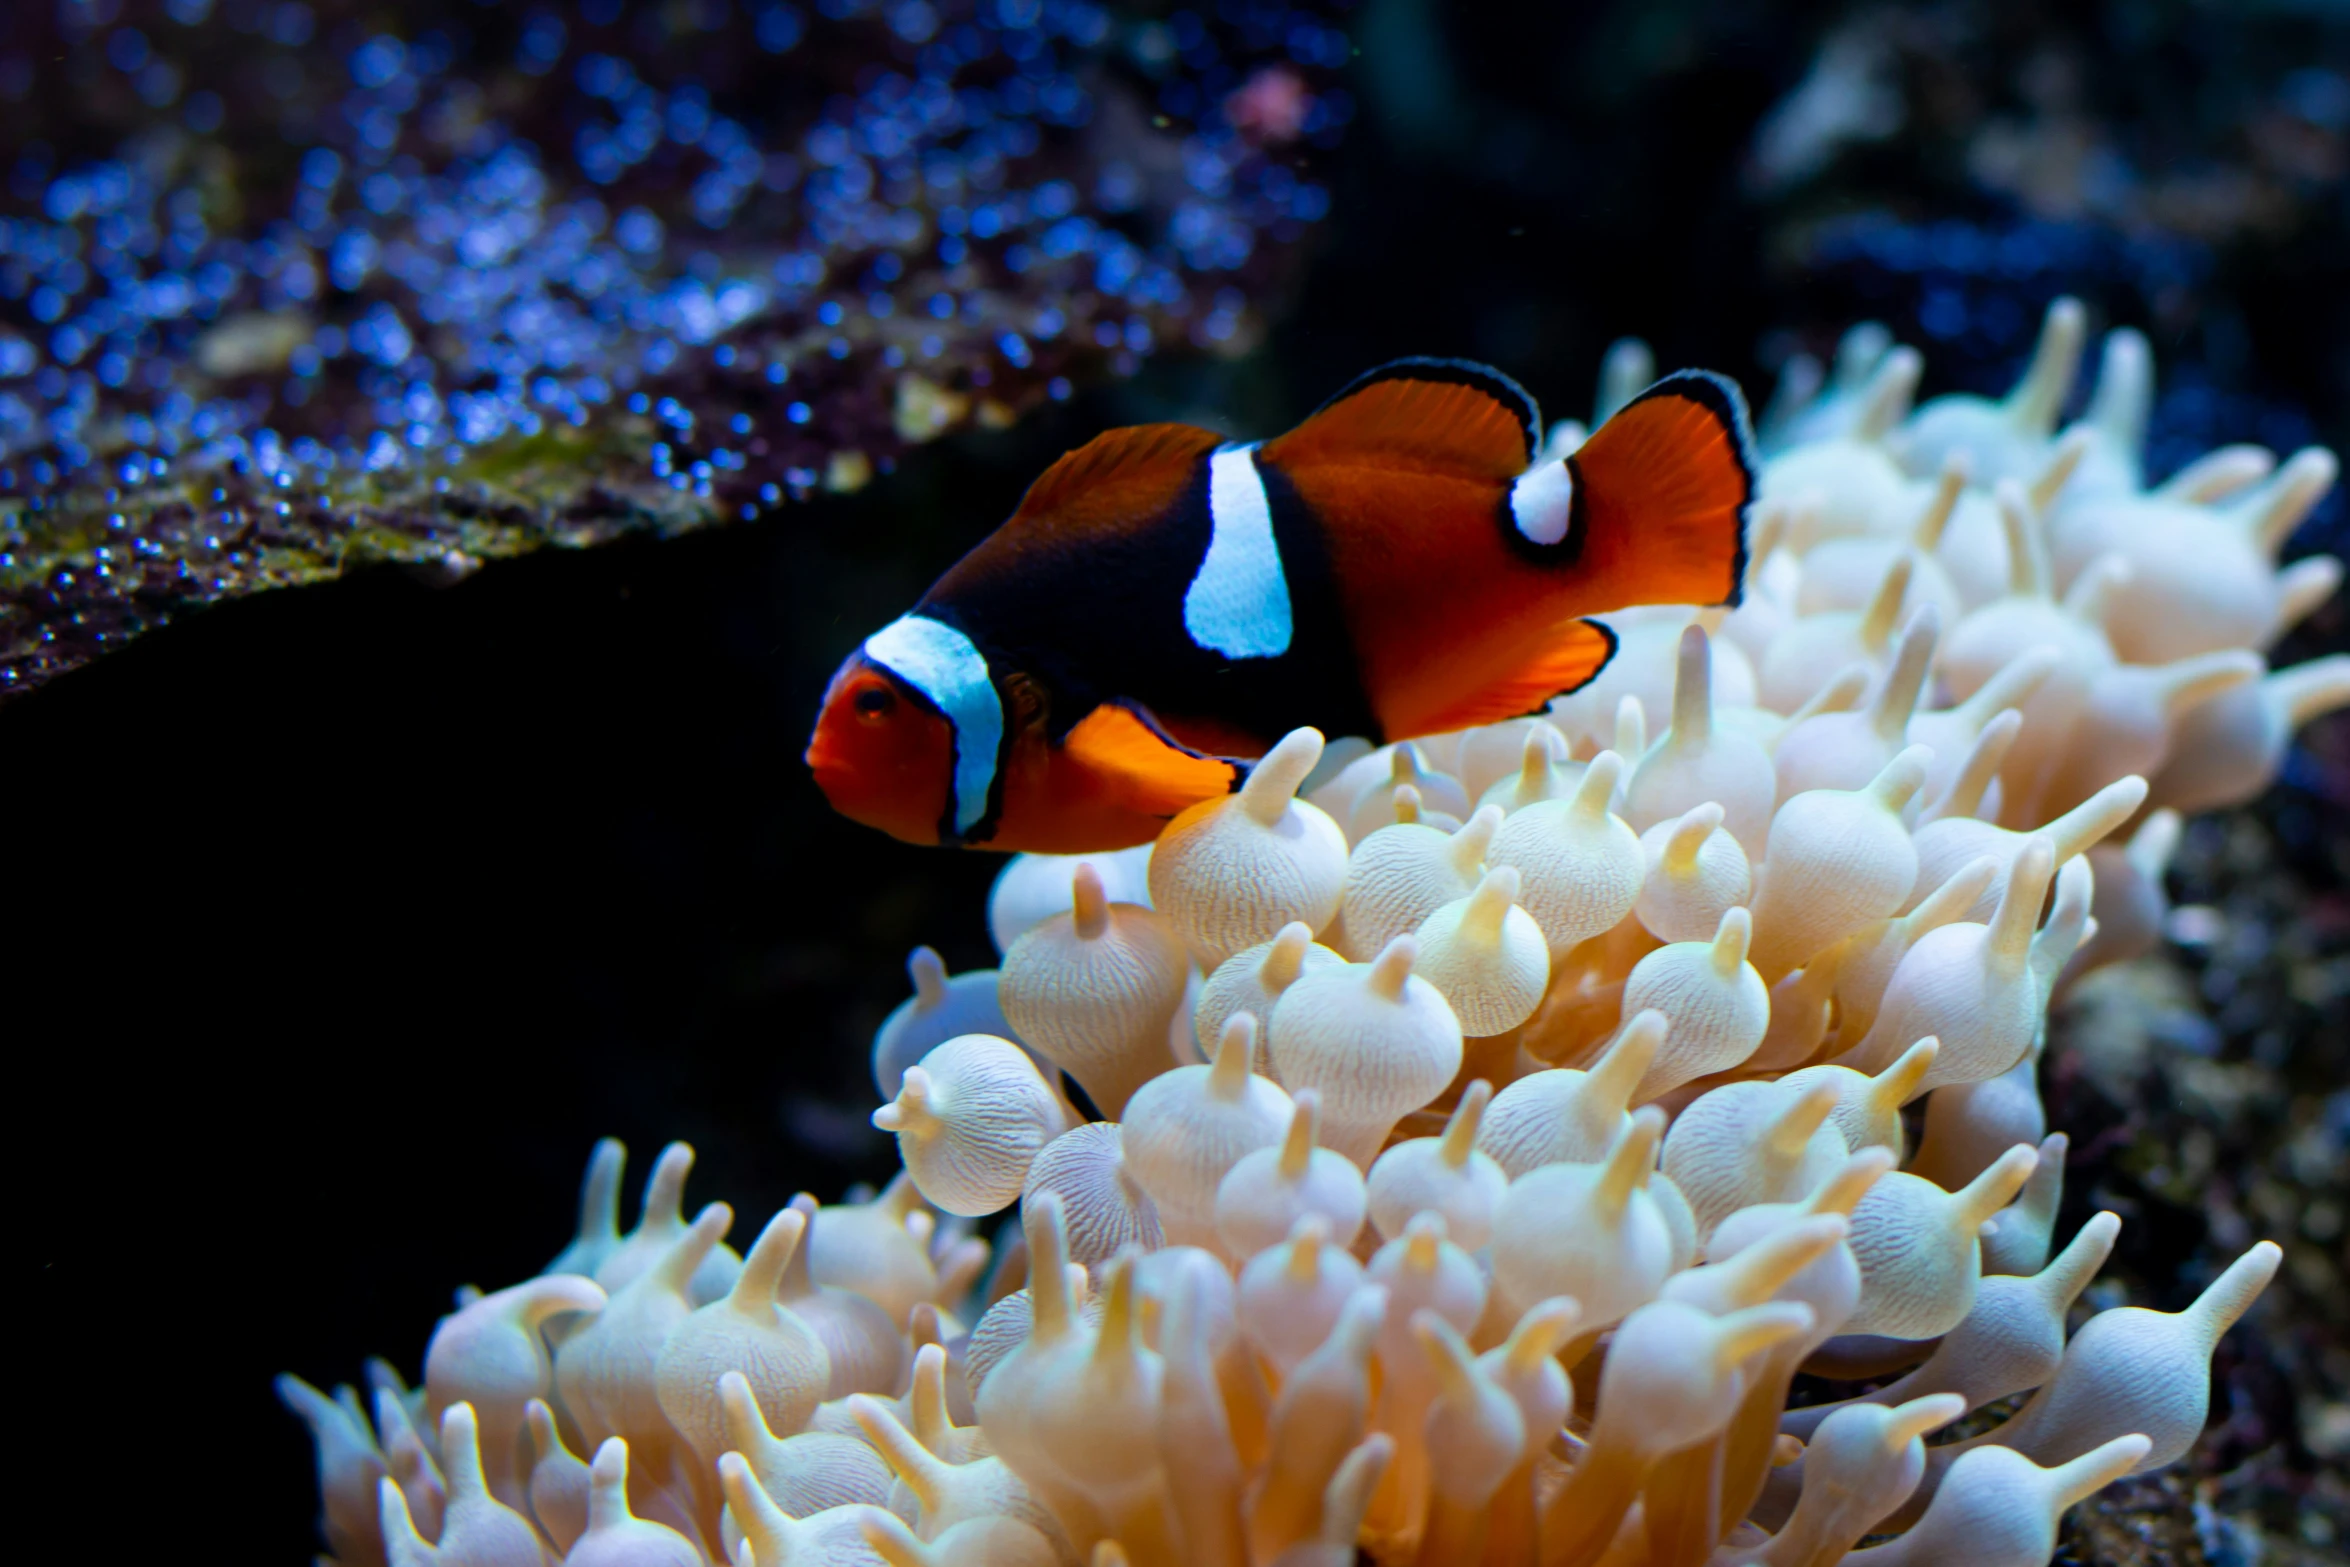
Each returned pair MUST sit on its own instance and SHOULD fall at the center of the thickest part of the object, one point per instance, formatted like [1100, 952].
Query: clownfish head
[881, 753]
[908, 736]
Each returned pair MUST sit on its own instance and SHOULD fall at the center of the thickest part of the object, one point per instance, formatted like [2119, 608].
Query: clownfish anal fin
[1663, 489]
[1447, 416]
[1118, 476]
[1140, 767]
[1573, 653]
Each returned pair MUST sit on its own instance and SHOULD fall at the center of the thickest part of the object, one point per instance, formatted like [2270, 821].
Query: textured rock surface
[286, 290]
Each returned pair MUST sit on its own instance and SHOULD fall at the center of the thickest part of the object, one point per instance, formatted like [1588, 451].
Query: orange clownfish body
[1165, 604]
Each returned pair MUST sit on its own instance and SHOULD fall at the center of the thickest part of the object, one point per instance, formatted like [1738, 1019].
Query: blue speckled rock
[280, 292]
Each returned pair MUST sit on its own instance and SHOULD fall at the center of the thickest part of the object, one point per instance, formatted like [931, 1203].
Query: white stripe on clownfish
[1238, 601]
[943, 664]
[1542, 502]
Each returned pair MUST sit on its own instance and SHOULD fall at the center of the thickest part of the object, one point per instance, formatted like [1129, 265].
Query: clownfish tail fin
[1653, 507]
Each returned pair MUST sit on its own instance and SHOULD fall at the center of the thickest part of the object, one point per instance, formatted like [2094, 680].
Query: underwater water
[346, 914]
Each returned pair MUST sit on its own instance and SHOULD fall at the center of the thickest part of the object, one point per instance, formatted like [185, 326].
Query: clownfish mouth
[882, 765]
[844, 790]
[835, 775]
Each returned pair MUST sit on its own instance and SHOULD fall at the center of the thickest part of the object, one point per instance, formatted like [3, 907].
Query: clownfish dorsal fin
[1450, 416]
[1573, 653]
[1117, 476]
[1141, 767]
[1664, 489]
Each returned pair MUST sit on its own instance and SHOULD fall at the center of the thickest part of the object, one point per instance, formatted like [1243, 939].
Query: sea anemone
[1504, 1120]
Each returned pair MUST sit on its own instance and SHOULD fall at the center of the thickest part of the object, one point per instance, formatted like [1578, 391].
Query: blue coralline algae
[519, 277]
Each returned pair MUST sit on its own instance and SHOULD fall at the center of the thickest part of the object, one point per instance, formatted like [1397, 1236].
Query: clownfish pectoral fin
[1116, 477]
[1124, 751]
[1572, 655]
[1663, 489]
[1447, 416]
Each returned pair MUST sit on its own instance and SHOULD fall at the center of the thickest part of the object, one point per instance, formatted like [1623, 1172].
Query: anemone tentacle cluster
[1502, 1120]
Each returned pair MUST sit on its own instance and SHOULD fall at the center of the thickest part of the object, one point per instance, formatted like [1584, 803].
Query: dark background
[340, 922]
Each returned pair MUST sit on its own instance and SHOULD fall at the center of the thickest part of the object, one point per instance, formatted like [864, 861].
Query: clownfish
[1166, 603]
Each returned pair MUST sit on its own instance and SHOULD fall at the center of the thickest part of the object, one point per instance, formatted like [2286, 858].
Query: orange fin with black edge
[1662, 492]
[1116, 477]
[1140, 767]
[1447, 416]
[1573, 654]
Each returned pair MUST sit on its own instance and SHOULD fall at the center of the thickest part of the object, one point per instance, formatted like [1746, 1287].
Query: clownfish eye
[875, 702]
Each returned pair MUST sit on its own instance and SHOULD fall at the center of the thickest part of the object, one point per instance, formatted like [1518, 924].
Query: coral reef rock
[288, 289]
